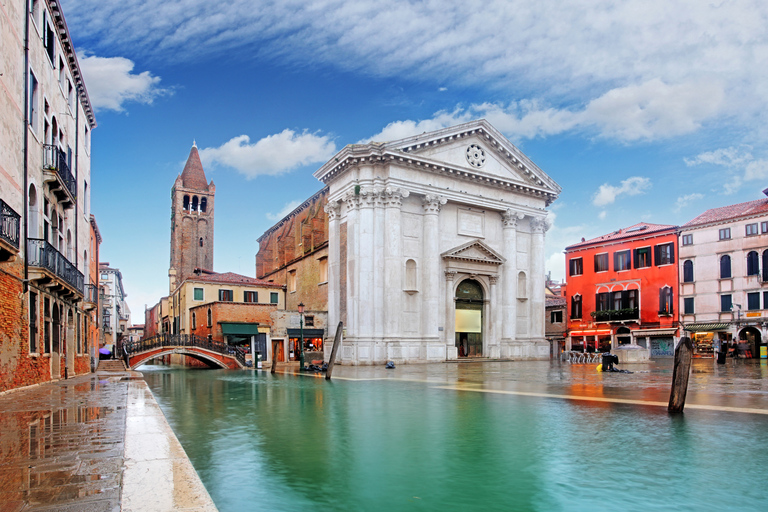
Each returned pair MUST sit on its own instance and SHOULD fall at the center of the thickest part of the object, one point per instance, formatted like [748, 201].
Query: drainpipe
[25, 149]
[77, 152]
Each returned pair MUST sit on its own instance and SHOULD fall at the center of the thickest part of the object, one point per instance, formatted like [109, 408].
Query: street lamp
[301, 336]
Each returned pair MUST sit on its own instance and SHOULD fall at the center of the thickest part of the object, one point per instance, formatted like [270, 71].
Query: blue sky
[641, 110]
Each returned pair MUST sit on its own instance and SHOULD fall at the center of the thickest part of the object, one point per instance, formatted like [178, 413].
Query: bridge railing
[181, 340]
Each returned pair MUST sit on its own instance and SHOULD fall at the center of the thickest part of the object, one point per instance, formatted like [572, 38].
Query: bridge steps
[111, 365]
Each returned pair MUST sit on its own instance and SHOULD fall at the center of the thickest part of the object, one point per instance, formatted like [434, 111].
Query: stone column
[352, 201]
[509, 273]
[537, 282]
[430, 258]
[494, 320]
[379, 229]
[332, 209]
[366, 248]
[393, 261]
[450, 315]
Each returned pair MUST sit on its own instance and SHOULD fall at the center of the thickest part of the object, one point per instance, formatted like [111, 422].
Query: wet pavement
[89, 444]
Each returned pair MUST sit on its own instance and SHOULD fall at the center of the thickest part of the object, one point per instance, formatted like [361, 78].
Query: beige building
[46, 120]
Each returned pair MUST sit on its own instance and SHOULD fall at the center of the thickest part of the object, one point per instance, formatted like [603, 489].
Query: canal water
[287, 443]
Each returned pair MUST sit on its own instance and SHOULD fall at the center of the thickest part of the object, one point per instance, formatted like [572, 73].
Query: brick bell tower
[192, 200]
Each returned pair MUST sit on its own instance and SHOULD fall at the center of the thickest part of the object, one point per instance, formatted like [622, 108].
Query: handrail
[54, 159]
[182, 340]
[9, 224]
[91, 293]
[42, 254]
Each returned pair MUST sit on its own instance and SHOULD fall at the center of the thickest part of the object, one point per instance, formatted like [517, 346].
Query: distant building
[91, 294]
[621, 292]
[135, 333]
[115, 314]
[724, 277]
[46, 120]
[556, 322]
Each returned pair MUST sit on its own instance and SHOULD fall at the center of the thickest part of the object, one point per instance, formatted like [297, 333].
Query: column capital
[352, 200]
[539, 225]
[333, 210]
[494, 278]
[392, 197]
[368, 197]
[509, 218]
[432, 203]
[450, 275]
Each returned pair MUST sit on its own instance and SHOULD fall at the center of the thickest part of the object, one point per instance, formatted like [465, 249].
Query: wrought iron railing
[55, 160]
[42, 254]
[611, 315]
[9, 224]
[91, 293]
[183, 340]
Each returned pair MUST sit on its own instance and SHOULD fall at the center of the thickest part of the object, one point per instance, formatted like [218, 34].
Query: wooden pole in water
[683, 358]
[274, 356]
[336, 343]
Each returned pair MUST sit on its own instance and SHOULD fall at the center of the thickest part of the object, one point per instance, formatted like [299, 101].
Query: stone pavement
[92, 443]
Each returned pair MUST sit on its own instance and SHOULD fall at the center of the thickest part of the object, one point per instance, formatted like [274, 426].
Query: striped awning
[707, 327]
[591, 332]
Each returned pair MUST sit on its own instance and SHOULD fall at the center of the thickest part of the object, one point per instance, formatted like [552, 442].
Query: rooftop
[637, 230]
[733, 211]
[231, 278]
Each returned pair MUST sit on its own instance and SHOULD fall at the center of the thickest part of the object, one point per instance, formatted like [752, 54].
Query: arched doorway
[469, 318]
[623, 335]
[751, 336]
[56, 348]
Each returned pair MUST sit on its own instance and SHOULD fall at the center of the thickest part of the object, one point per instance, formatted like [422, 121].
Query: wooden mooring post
[683, 358]
[336, 343]
[274, 356]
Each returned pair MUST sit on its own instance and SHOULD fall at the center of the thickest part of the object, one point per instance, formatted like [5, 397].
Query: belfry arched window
[186, 202]
[203, 204]
[194, 203]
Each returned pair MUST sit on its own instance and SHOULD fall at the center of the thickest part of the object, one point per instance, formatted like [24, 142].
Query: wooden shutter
[615, 261]
[637, 263]
[656, 254]
[671, 253]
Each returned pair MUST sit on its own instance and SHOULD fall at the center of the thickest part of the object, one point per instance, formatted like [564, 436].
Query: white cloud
[738, 163]
[602, 215]
[111, 83]
[633, 186]
[274, 154]
[402, 129]
[288, 208]
[734, 156]
[685, 200]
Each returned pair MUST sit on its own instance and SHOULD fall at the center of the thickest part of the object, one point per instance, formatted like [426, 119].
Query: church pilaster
[393, 259]
[332, 209]
[509, 220]
[539, 226]
[431, 262]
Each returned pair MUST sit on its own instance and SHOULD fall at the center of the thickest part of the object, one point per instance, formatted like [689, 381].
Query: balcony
[616, 315]
[58, 176]
[90, 297]
[9, 232]
[50, 268]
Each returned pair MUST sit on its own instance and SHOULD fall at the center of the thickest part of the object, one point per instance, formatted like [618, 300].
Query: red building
[621, 292]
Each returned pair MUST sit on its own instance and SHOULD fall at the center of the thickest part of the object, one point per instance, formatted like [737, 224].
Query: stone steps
[111, 365]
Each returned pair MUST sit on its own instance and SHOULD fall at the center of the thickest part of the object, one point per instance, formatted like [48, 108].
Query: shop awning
[308, 333]
[242, 329]
[707, 327]
[591, 332]
[655, 332]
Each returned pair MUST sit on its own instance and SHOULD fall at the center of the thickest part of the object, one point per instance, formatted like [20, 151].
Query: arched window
[32, 223]
[576, 306]
[194, 321]
[186, 202]
[210, 318]
[410, 275]
[725, 267]
[665, 301]
[753, 264]
[194, 203]
[201, 241]
[522, 288]
[765, 265]
[688, 271]
[203, 204]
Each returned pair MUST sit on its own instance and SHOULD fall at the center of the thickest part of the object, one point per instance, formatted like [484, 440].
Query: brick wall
[230, 312]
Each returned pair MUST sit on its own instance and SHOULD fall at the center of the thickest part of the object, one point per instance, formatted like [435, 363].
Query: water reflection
[287, 443]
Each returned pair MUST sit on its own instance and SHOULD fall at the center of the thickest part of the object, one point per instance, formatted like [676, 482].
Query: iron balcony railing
[9, 224]
[611, 315]
[55, 160]
[91, 293]
[43, 255]
[182, 340]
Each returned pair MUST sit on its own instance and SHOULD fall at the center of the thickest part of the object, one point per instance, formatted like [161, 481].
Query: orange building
[621, 293]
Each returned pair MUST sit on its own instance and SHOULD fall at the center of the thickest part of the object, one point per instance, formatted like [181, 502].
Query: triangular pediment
[475, 251]
[479, 147]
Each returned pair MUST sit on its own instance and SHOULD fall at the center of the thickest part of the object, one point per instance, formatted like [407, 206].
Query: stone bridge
[213, 353]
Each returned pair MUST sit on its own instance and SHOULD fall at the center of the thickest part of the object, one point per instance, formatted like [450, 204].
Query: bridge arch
[211, 358]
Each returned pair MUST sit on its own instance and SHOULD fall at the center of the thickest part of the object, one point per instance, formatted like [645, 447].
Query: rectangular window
[556, 317]
[643, 257]
[575, 267]
[601, 262]
[323, 270]
[273, 298]
[622, 261]
[725, 303]
[753, 301]
[687, 239]
[688, 305]
[250, 296]
[602, 301]
[226, 296]
[576, 306]
[199, 294]
[615, 301]
[309, 320]
[751, 229]
[665, 301]
[34, 102]
[764, 227]
[49, 39]
[725, 234]
[664, 254]
[33, 322]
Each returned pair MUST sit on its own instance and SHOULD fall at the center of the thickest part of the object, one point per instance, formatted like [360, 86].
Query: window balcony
[90, 296]
[58, 176]
[9, 232]
[51, 269]
[616, 315]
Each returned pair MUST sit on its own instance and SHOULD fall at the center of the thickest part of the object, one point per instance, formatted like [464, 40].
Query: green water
[284, 443]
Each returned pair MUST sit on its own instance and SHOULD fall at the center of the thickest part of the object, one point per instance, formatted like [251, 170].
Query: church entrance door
[469, 318]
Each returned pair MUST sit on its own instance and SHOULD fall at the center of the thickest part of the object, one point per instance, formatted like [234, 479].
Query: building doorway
[469, 319]
[751, 337]
[623, 336]
[56, 348]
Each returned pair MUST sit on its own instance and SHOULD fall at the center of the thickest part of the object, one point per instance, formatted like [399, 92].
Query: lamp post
[301, 336]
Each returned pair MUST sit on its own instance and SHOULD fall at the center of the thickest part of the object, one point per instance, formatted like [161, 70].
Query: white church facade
[436, 248]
